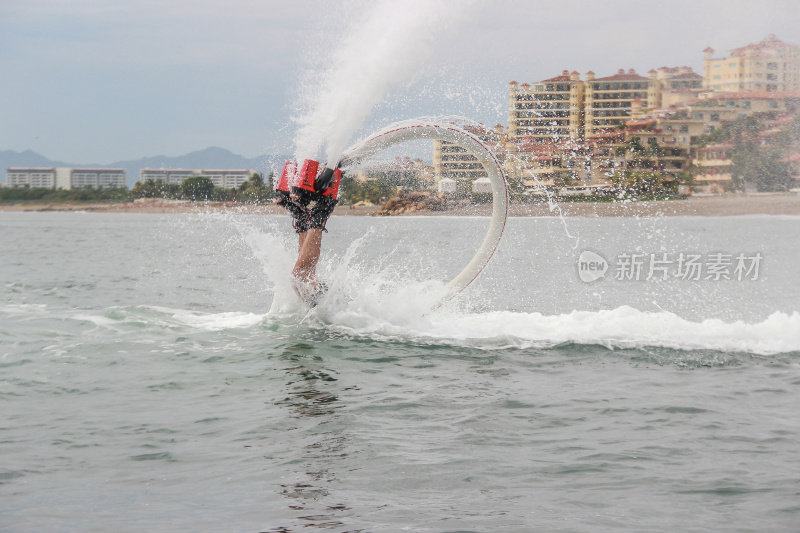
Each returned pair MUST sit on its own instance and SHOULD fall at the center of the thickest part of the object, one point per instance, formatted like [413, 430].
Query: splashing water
[388, 300]
[385, 292]
[552, 204]
[385, 47]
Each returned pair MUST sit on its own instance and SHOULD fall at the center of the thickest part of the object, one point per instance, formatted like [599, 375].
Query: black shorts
[321, 212]
[303, 218]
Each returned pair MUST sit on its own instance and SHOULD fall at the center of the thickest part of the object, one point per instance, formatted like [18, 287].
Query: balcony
[712, 162]
[712, 177]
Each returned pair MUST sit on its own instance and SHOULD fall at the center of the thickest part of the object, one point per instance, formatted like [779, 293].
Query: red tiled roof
[770, 43]
[621, 75]
[687, 76]
[477, 129]
[563, 77]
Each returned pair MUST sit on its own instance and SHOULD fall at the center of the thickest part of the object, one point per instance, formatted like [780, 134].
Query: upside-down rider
[295, 191]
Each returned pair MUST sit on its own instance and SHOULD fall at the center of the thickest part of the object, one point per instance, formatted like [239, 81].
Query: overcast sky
[94, 81]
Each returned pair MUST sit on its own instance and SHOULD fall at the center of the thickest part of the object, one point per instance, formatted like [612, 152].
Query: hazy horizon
[91, 82]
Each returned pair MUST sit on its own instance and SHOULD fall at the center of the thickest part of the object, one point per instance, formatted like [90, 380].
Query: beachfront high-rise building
[610, 101]
[565, 107]
[550, 110]
[767, 66]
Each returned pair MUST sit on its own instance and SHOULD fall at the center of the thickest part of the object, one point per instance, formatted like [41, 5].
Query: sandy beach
[722, 205]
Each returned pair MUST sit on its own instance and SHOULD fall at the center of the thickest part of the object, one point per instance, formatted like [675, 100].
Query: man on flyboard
[295, 191]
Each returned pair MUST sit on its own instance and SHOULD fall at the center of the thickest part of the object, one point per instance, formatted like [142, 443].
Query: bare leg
[305, 268]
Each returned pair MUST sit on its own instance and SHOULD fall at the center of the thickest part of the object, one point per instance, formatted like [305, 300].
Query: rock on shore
[412, 202]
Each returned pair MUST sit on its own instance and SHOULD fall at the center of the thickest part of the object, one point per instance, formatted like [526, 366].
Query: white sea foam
[217, 321]
[116, 318]
[23, 309]
[402, 311]
[405, 314]
[623, 327]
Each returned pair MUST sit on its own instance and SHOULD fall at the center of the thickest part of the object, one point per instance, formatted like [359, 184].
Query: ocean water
[157, 374]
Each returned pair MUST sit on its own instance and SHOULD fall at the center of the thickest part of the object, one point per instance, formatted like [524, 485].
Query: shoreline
[722, 205]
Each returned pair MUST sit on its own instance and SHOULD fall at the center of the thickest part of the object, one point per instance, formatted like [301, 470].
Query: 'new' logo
[591, 266]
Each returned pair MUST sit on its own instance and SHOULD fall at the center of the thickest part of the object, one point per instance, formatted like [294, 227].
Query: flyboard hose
[456, 131]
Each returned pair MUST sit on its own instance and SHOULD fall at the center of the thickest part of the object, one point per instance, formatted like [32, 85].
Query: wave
[402, 316]
[146, 316]
[623, 327]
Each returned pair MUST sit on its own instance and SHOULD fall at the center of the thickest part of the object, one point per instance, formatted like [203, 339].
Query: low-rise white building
[482, 186]
[447, 186]
[97, 178]
[65, 178]
[226, 178]
[38, 177]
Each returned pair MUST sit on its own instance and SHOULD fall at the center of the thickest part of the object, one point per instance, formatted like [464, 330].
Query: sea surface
[157, 373]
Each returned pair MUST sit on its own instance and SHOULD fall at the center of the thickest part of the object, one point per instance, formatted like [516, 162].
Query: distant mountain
[210, 158]
[28, 158]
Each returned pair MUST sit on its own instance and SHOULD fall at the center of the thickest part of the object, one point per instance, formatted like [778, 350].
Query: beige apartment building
[678, 85]
[716, 108]
[713, 167]
[665, 140]
[770, 65]
[548, 164]
[566, 107]
[610, 100]
[550, 110]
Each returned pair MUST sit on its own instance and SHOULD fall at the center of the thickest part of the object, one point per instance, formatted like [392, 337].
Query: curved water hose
[458, 131]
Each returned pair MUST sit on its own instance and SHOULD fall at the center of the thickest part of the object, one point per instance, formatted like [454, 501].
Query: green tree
[760, 167]
[644, 182]
[635, 145]
[27, 194]
[350, 191]
[197, 188]
[257, 180]
[148, 188]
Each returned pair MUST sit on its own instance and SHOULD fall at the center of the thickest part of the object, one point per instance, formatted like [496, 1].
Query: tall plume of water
[386, 46]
